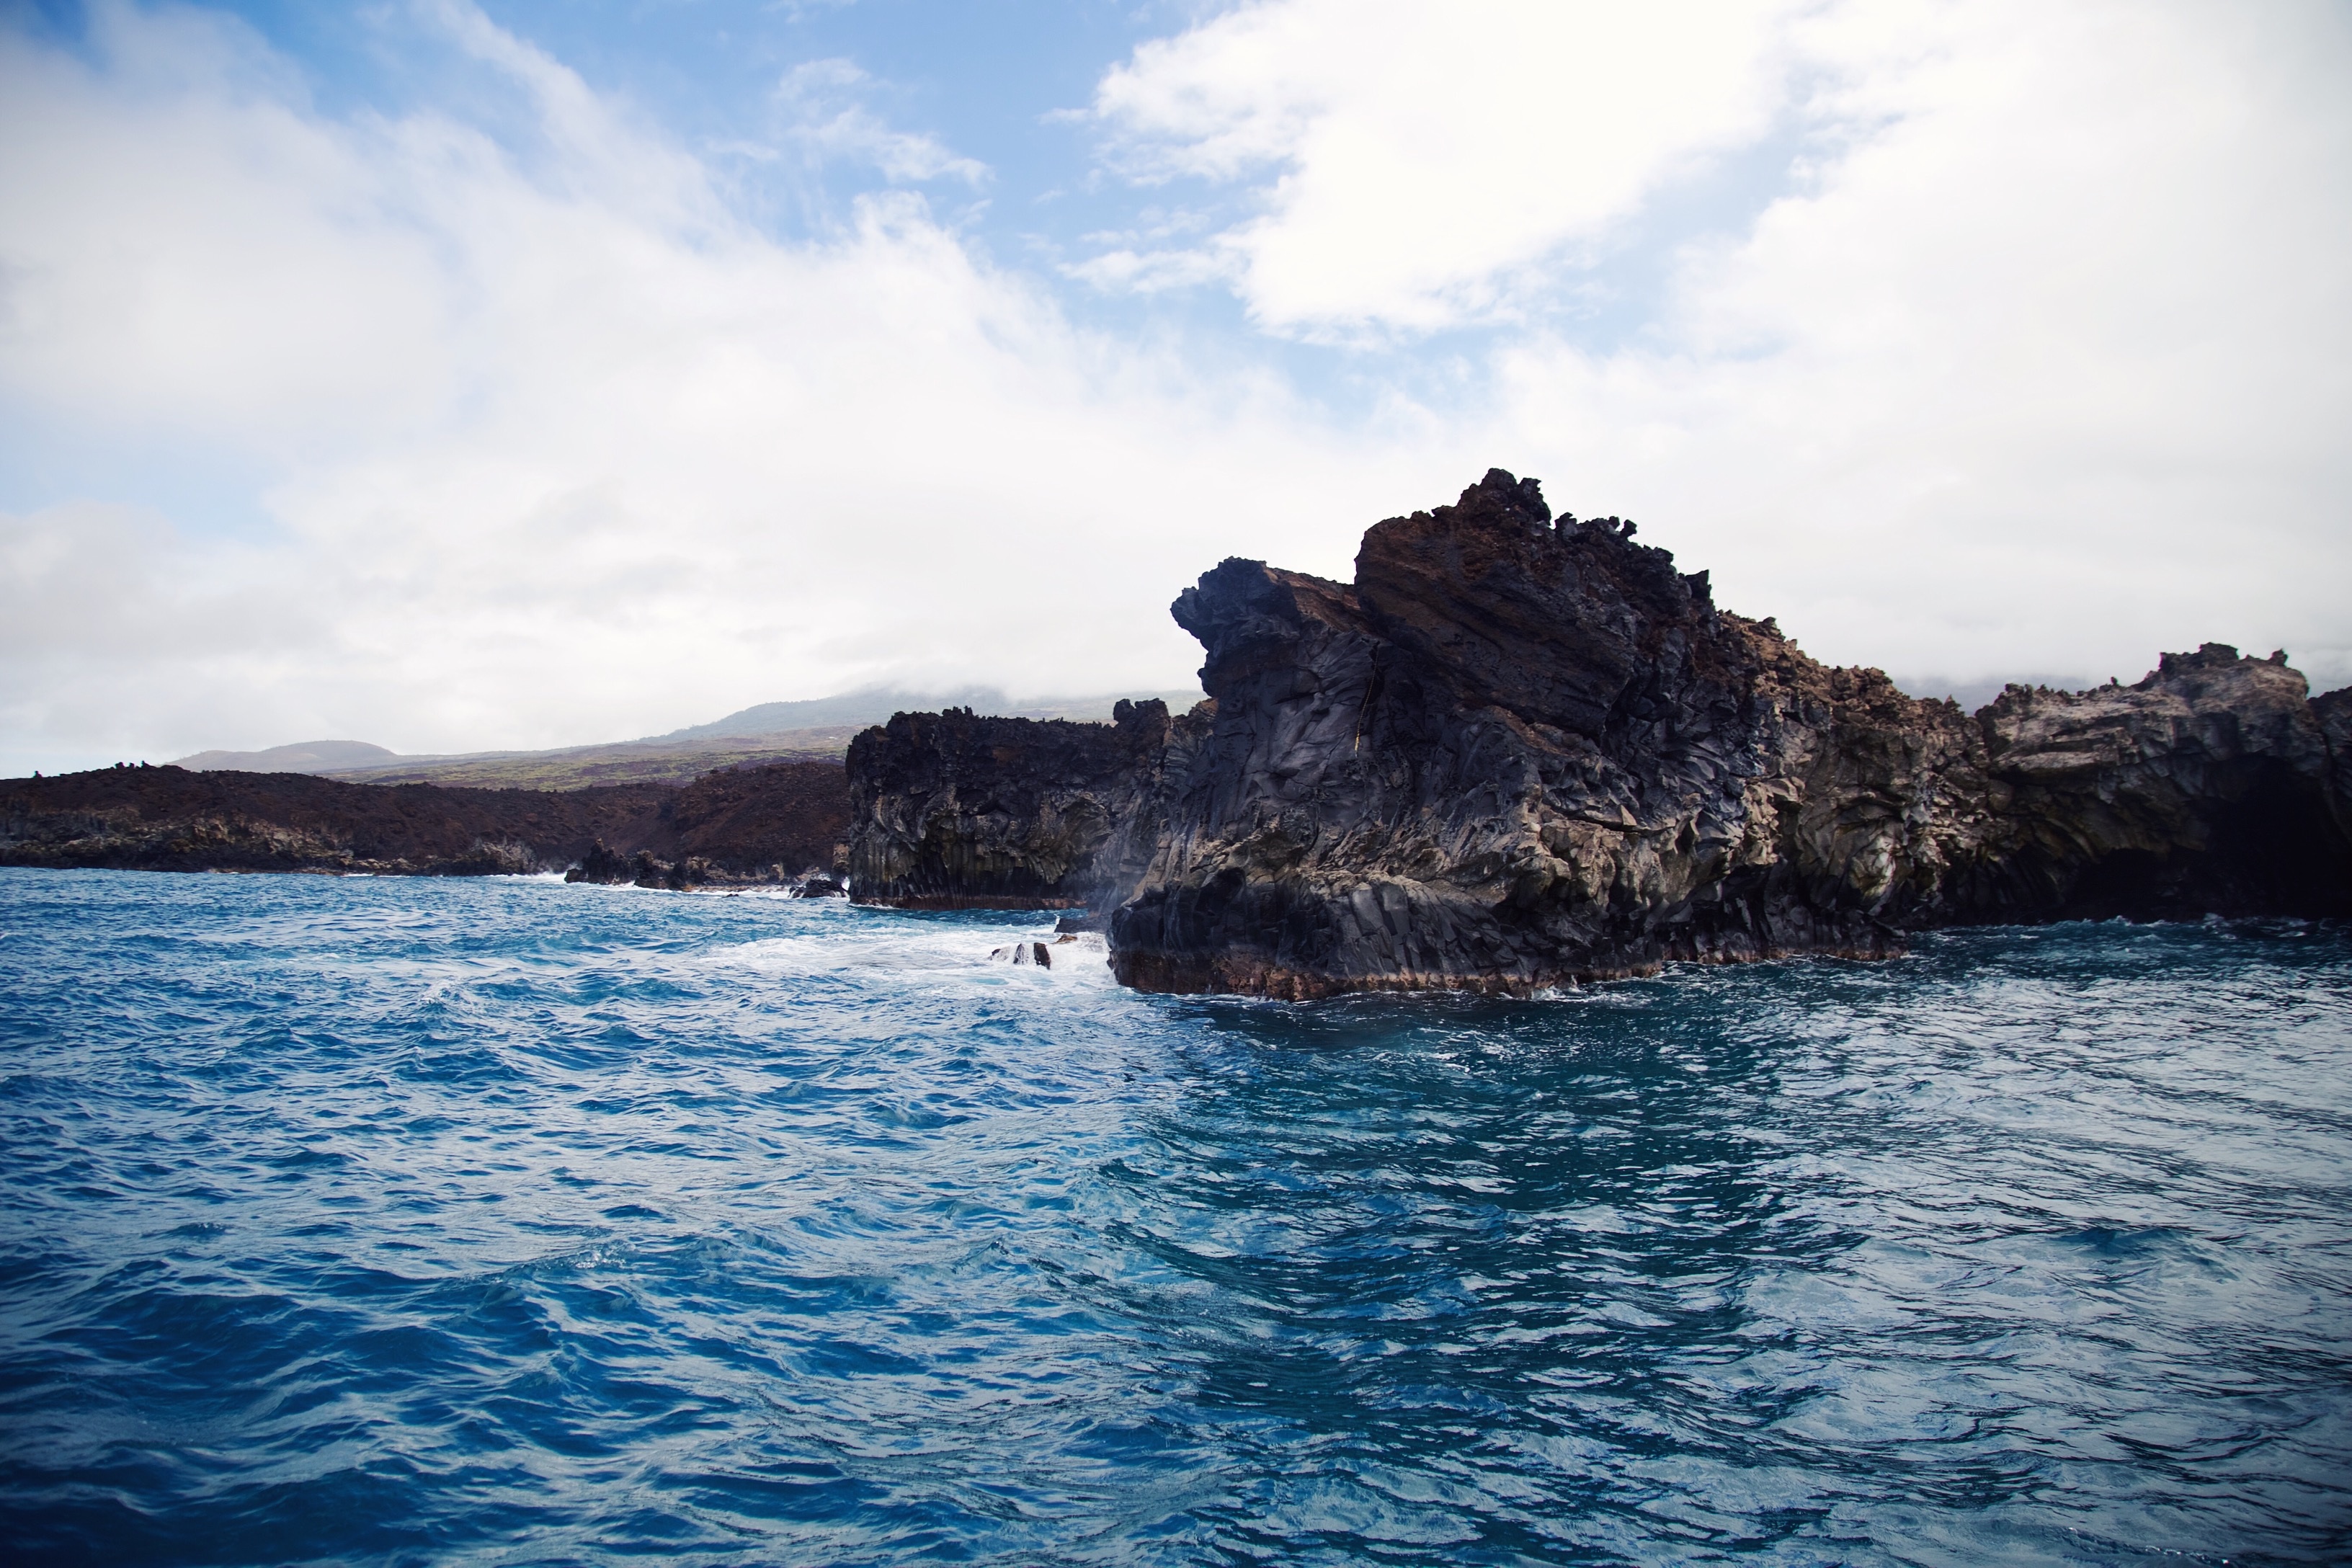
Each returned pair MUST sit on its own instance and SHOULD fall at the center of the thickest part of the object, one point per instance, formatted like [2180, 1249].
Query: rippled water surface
[411, 1221]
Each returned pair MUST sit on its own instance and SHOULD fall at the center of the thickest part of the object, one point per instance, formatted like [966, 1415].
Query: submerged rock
[1518, 752]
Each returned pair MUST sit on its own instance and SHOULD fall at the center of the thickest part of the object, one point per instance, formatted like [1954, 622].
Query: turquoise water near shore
[410, 1221]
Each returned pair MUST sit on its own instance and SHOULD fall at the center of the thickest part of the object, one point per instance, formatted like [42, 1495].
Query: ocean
[405, 1221]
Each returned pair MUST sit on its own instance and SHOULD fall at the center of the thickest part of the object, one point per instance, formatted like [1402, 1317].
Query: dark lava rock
[746, 826]
[766, 824]
[1518, 752]
[675, 876]
[604, 865]
[954, 811]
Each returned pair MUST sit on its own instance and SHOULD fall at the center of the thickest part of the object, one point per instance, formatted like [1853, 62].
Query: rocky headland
[754, 825]
[958, 810]
[1520, 749]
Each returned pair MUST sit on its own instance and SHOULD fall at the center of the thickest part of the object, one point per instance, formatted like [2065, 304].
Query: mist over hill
[302, 757]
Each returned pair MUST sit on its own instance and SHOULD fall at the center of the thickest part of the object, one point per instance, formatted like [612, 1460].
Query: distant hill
[302, 757]
[619, 762]
[853, 709]
[772, 732]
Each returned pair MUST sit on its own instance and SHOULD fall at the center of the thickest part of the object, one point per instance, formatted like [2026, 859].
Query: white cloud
[156, 275]
[2050, 365]
[2039, 360]
[1424, 156]
[1151, 271]
[2037, 356]
[563, 453]
[828, 121]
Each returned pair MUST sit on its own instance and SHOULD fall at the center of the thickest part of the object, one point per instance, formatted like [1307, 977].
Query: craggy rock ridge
[959, 811]
[756, 824]
[1518, 752]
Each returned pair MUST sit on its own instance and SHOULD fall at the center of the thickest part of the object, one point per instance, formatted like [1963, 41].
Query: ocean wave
[505, 1221]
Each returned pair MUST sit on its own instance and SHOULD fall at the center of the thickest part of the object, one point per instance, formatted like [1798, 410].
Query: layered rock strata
[771, 824]
[1520, 751]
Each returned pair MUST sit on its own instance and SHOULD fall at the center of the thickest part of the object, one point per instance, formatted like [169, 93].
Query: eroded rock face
[954, 810]
[2210, 786]
[1518, 751]
[1512, 752]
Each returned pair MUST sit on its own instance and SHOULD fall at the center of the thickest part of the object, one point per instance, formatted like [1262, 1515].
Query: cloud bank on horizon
[503, 394]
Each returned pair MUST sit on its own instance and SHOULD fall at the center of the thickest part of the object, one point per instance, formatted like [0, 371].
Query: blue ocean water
[409, 1221]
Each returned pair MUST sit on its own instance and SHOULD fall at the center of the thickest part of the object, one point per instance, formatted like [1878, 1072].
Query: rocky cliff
[1519, 749]
[754, 825]
[954, 810]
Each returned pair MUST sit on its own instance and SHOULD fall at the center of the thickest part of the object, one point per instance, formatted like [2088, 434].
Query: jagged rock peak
[2212, 655]
[1501, 492]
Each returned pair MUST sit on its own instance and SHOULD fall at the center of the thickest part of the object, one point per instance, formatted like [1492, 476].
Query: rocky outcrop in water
[2212, 787]
[608, 867]
[1520, 751]
[771, 824]
[955, 810]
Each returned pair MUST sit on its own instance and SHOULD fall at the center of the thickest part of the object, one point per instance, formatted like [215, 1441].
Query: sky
[455, 375]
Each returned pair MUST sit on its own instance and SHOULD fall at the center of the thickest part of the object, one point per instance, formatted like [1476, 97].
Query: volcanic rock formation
[1518, 752]
[959, 811]
[765, 824]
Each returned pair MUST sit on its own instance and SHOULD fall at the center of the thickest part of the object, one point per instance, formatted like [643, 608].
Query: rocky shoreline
[1517, 751]
[1520, 751]
[767, 825]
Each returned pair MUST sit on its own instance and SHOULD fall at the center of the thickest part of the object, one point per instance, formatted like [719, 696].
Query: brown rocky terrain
[765, 824]
[1518, 752]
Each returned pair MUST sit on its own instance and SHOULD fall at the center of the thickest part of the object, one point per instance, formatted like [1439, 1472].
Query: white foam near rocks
[1066, 952]
[840, 941]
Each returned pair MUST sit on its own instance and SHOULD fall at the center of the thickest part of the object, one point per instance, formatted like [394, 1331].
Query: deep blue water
[409, 1221]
